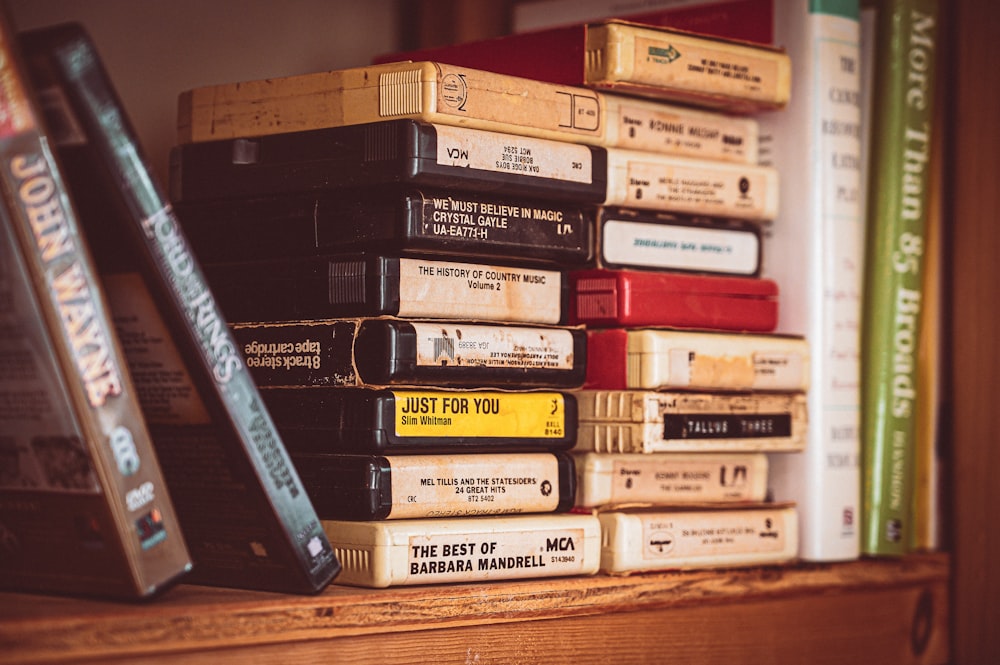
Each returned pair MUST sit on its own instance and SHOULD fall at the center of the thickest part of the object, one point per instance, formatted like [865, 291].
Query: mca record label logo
[454, 91]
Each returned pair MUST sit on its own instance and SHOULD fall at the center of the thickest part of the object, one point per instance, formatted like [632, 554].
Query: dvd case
[639, 421]
[661, 359]
[429, 221]
[84, 507]
[389, 421]
[637, 239]
[378, 487]
[631, 298]
[383, 284]
[385, 153]
[245, 515]
[383, 352]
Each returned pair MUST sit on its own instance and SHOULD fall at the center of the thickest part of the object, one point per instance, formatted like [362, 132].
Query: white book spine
[816, 249]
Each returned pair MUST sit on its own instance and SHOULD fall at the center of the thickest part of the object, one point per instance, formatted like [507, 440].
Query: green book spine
[905, 58]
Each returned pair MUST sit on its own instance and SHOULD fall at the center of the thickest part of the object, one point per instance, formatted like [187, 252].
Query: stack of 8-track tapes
[420, 378]
[266, 207]
[680, 360]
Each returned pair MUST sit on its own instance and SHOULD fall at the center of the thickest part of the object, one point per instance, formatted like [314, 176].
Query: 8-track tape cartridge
[388, 152]
[384, 421]
[439, 222]
[363, 285]
[378, 487]
[382, 352]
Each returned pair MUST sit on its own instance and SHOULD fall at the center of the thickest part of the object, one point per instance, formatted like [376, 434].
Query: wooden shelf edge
[36, 628]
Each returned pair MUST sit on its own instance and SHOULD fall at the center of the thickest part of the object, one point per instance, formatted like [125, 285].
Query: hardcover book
[902, 129]
[931, 463]
[246, 515]
[84, 508]
[633, 59]
[818, 234]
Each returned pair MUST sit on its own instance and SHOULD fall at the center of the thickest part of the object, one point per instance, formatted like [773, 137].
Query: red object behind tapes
[557, 54]
[613, 298]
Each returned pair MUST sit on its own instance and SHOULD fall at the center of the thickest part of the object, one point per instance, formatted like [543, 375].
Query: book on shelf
[930, 463]
[814, 250]
[632, 59]
[905, 57]
[245, 514]
[84, 508]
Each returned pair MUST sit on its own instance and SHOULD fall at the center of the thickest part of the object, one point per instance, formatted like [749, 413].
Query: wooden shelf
[859, 612]
[893, 610]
